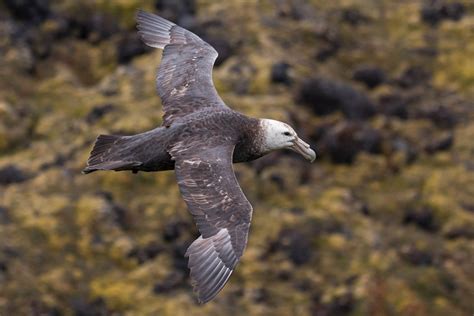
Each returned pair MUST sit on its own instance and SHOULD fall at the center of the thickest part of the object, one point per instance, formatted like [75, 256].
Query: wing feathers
[158, 32]
[185, 73]
[222, 213]
[209, 270]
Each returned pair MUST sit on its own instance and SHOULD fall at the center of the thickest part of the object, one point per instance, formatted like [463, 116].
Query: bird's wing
[222, 212]
[184, 80]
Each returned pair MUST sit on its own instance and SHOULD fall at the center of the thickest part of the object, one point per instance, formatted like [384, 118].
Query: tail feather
[105, 155]
[102, 147]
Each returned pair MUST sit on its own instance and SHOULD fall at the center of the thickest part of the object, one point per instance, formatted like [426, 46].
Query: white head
[278, 135]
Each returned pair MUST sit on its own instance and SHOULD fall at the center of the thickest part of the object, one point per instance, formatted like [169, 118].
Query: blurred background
[381, 224]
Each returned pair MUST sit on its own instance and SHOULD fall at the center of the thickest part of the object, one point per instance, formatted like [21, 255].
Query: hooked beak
[303, 149]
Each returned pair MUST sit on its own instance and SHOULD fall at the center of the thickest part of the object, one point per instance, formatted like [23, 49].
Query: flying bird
[200, 137]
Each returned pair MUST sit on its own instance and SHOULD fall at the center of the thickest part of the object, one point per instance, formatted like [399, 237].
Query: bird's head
[278, 135]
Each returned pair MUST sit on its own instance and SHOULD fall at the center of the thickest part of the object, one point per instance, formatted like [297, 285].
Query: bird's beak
[303, 149]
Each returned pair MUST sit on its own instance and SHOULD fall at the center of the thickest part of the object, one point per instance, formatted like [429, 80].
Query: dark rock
[279, 73]
[442, 116]
[189, 22]
[84, 307]
[39, 43]
[241, 74]
[431, 15]
[170, 282]
[453, 11]
[394, 105]
[294, 10]
[3, 267]
[180, 262]
[341, 305]
[176, 10]
[4, 215]
[365, 210]
[129, 46]
[413, 76]
[305, 176]
[12, 174]
[98, 112]
[260, 296]
[59, 161]
[468, 207]
[416, 256]
[278, 180]
[304, 286]
[421, 217]
[426, 51]
[146, 253]
[345, 140]
[371, 76]
[295, 244]
[410, 151]
[353, 16]
[116, 212]
[173, 230]
[443, 143]
[152, 250]
[284, 275]
[222, 46]
[325, 96]
[297, 210]
[10, 252]
[465, 231]
[38, 307]
[34, 11]
[327, 51]
[93, 26]
[330, 44]
[121, 216]
[435, 12]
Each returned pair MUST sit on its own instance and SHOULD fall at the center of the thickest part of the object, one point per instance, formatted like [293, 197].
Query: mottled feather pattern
[222, 212]
[194, 143]
[184, 80]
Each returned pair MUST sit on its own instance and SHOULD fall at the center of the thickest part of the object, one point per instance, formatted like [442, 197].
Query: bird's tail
[112, 152]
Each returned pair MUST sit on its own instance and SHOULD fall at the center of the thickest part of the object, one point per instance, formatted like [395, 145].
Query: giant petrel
[200, 138]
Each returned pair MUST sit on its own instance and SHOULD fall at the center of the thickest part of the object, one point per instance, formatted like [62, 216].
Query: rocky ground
[381, 224]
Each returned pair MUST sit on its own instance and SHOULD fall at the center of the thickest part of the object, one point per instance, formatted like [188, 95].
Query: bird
[200, 138]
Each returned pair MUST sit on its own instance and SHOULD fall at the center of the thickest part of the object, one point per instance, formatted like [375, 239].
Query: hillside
[381, 224]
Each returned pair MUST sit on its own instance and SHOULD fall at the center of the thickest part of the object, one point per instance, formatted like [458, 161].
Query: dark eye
[287, 134]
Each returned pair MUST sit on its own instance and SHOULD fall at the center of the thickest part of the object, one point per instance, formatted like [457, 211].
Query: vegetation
[381, 224]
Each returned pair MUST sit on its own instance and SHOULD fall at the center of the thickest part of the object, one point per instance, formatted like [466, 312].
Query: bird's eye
[287, 134]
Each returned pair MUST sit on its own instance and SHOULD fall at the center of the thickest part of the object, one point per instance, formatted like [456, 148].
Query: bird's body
[148, 151]
[200, 138]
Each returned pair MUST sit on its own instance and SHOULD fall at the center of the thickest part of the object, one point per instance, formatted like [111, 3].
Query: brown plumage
[200, 138]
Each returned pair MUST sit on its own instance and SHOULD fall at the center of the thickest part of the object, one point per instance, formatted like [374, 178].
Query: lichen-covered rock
[371, 76]
[12, 174]
[325, 96]
[381, 224]
[345, 140]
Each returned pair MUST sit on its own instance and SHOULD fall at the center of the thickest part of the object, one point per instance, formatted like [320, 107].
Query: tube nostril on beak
[303, 149]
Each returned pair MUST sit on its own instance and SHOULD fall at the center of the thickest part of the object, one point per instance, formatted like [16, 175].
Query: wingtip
[140, 12]
[87, 170]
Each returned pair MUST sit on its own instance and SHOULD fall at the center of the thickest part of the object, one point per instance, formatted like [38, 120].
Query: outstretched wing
[184, 80]
[222, 212]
